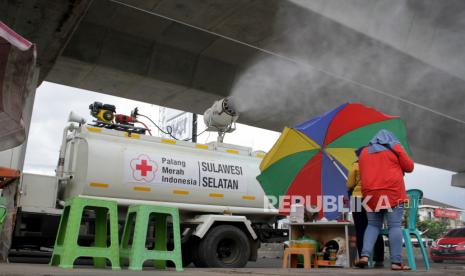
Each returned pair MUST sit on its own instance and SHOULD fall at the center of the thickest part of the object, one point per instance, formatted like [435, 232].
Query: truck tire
[187, 252]
[225, 246]
[194, 251]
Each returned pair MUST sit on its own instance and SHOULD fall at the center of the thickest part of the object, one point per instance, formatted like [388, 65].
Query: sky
[54, 102]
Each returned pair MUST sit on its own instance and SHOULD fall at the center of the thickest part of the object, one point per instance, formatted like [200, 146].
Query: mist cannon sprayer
[221, 117]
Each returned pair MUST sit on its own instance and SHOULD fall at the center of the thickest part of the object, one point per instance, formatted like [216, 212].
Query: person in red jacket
[382, 166]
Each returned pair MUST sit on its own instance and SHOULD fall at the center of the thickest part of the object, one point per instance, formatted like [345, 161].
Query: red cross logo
[143, 168]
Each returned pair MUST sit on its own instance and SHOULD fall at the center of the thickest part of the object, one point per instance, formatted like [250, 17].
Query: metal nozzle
[228, 106]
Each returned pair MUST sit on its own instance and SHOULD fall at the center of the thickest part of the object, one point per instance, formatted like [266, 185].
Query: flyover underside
[286, 64]
[433, 138]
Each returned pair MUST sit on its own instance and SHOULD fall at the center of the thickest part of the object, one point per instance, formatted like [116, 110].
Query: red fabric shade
[17, 61]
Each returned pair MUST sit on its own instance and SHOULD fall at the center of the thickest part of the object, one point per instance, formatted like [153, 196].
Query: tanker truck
[224, 213]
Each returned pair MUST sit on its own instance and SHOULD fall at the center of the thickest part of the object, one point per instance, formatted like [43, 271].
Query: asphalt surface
[261, 267]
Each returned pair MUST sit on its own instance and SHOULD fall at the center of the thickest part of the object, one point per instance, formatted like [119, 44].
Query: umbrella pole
[336, 165]
[340, 171]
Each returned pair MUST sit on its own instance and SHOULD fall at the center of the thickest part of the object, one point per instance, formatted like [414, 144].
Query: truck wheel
[225, 246]
[194, 251]
[187, 252]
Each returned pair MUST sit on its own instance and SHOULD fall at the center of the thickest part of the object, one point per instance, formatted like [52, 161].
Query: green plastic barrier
[3, 202]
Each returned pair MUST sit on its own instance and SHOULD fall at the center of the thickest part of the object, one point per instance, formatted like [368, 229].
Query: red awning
[17, 61]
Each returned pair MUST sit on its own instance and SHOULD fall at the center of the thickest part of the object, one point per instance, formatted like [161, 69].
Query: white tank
[144, 169]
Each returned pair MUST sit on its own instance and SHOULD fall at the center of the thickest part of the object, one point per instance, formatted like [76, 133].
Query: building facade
[437, 211]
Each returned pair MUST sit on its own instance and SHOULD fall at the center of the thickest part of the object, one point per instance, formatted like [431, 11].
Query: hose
[142, 123]
[168, 132]
[197, 135]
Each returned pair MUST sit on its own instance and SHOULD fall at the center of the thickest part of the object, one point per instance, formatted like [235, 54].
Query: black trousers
[361, 222]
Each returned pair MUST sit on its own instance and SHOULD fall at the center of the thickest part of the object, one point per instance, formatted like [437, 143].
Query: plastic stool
[292, 252]
[136, 226]
[414, 200]
[67, 250]
[415, 196]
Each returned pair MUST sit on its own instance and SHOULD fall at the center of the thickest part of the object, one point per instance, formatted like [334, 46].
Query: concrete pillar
[458, 180]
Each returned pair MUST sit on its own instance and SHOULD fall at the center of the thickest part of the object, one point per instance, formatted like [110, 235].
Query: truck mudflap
[205, 222]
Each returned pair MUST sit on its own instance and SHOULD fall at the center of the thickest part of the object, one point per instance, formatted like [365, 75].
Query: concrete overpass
[284, 61]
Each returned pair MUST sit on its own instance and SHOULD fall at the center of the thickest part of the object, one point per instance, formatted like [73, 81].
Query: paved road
[261, 267]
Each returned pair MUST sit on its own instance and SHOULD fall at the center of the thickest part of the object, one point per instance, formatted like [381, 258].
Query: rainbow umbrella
[313, 158]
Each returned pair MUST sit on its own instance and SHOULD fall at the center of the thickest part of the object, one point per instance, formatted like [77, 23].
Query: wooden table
[323, 232]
